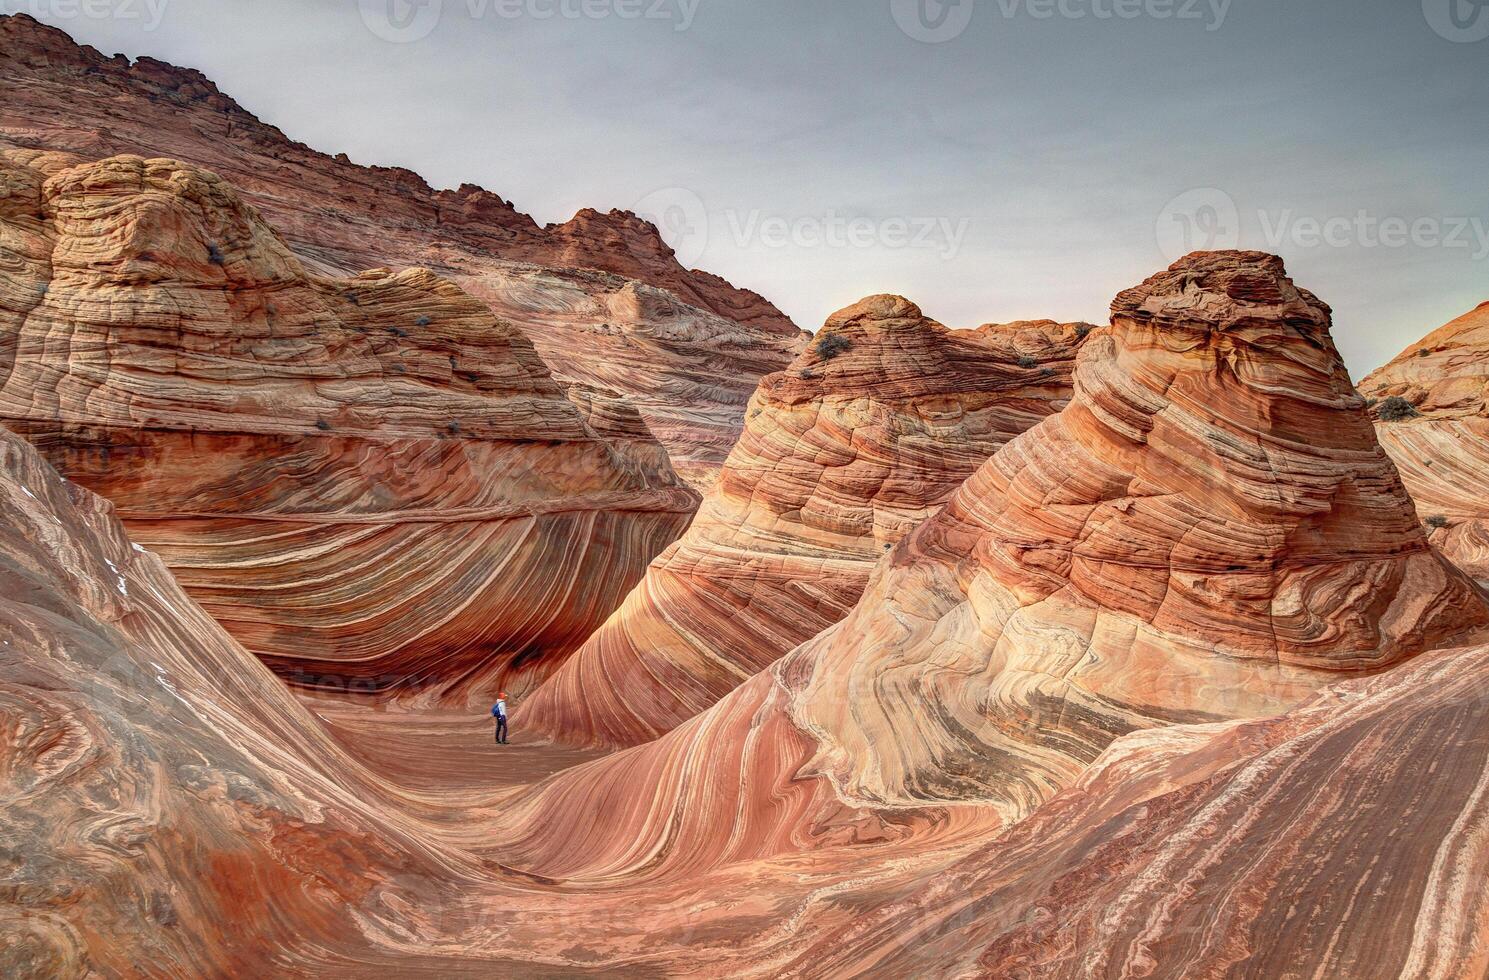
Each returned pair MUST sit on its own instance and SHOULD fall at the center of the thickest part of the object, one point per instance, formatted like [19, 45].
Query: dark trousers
[501, 729]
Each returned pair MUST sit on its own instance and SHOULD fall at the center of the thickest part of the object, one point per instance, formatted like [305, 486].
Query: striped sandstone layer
[862, 438]
[1440, 438]
[169, 807]
[1311, 844]
[699, 366]
[687, 373]
[1208, 532]
[370, 481]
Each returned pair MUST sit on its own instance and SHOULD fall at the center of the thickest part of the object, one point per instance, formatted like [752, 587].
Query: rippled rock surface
[861, 439]
[168, 807]
[371, 481]
[1209, 531]
[1432, 410]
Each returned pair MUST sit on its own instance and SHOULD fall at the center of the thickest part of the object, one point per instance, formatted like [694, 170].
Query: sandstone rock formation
[167, 803]
[687, 373]
[367, 480]
[1208, 531]
[1432, 407]
[160, 787]
[702, 357]
[863, 437]
[1312, 844]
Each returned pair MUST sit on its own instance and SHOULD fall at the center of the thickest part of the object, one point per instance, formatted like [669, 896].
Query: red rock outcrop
[861, 439]
[341, 218]
[368, 480]
[687, 373]
[1312, 844]
[161, 789]
[1432, 409]
[168, 803]
[1208, 531]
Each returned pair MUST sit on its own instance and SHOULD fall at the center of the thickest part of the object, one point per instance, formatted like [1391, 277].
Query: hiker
[499, 712]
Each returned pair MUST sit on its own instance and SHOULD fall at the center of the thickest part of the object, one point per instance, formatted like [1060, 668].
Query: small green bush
[422, 321]
[1397, 409]
[1028, 362]
[1436, 521]
[830, 345]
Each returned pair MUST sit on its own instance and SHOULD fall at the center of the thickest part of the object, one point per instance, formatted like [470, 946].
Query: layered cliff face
[1312, 844]
[160, 786]
[687, 373]
[341, 218]
[168, 803]
[369, 481]
[863, 437]
[1432, 409]
[1208, 531]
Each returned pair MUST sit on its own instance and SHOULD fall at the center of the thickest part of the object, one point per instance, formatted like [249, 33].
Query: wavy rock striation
[703, 354]
[169, 807]
[158, 783]
[1432, 407]
[861, 439]
[1208, 531]
[687, 373]
[367, 480]
[168, 803]
[1306, 845]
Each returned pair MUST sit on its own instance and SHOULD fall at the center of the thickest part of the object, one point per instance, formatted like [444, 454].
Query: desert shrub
[1436, 521]
[454, 428]
[398, 331]
[323, 425]
[422, 321]
[1397, 409]
[1082, 331]
[1028, 362]
[214, 255]
[830, 345]
[1424, 352]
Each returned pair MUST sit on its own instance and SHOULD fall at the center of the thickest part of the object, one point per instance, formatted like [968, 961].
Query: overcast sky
[989, 159]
